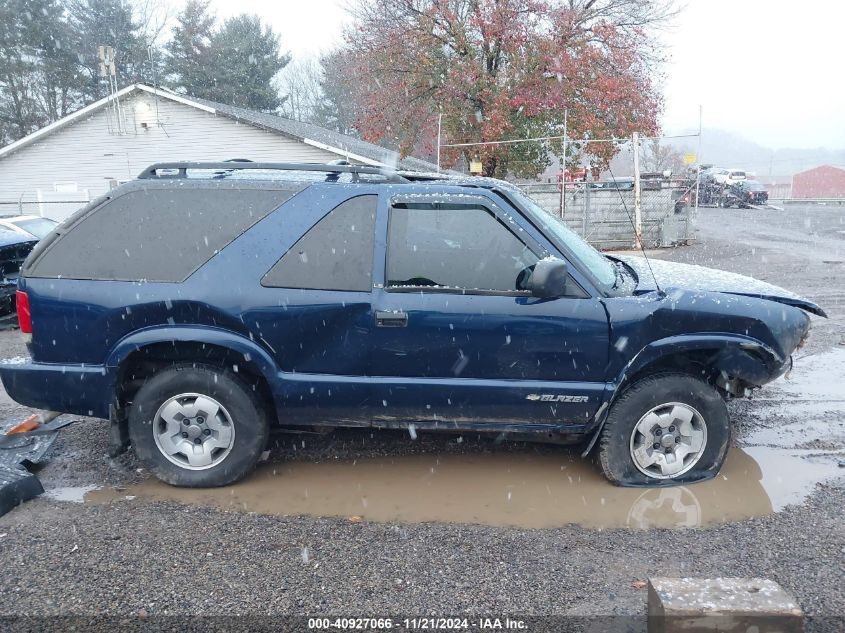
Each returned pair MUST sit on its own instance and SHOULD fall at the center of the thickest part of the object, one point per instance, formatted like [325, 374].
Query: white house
[53, 171]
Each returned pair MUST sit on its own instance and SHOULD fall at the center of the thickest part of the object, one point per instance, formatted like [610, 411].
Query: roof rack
[181, 169]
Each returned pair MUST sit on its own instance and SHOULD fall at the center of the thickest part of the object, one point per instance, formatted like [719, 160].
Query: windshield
[39, 227]
[600, 266]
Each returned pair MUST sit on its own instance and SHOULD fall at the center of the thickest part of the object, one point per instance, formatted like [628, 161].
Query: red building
[827, 181]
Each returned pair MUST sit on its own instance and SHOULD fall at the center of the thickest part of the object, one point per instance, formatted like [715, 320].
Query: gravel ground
[134, 557]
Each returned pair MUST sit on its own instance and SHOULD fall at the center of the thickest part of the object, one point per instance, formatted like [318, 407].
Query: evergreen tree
[187, 66]
[244, 58]
[108, 23]
[336, 110]
[39, 72]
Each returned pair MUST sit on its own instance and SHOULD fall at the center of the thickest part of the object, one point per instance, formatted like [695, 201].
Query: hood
[699, 278]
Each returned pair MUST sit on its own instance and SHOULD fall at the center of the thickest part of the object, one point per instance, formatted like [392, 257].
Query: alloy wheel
[668, 440]
[193, 431]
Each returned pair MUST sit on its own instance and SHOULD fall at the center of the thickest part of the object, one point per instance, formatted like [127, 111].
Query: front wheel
[197, 426]
[665, 429]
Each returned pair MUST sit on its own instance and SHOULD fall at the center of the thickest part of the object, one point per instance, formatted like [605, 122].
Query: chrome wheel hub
[668, 440]
[193, 431]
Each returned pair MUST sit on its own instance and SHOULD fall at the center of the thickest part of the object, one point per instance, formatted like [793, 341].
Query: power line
[570, 140]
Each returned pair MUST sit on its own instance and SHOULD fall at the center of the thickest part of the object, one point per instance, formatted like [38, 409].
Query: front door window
[454, 246]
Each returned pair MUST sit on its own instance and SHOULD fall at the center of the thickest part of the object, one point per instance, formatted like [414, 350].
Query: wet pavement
[806, 410]
[513, 490]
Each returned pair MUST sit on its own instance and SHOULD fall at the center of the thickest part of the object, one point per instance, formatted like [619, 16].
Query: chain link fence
[603, 212]
[54, 205]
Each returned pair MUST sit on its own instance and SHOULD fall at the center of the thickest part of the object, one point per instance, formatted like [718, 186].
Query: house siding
[85, 155]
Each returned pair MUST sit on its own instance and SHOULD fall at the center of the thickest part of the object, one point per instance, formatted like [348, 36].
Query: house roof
[341, 144]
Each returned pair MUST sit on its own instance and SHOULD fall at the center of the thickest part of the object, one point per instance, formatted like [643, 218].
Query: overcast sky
[768, 70]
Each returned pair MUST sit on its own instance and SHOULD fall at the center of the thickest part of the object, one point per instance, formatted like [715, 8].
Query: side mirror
[548, 279]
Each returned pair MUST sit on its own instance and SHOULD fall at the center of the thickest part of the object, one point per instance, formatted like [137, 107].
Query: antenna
[108, 69]
[634, 226]
[155, 82]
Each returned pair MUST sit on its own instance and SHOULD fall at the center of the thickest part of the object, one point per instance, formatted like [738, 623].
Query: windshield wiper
[623, 272]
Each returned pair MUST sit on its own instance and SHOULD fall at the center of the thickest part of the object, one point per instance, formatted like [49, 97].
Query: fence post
[563, 168]
[562, 189]
[638, 211]
[585, 219]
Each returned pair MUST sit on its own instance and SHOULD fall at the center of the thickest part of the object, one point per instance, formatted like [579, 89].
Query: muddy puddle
[524, 490]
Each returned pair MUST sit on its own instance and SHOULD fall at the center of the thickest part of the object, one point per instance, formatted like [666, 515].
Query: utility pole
[439, 127]
[638, 211]
[563, 168]
[698, 160]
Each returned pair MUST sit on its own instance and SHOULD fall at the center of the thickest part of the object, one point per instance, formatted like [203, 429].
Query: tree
[503, 69]
[337, 109]
[244, 57]
[39, 72]
[317, 91]
[188, 64]
[49, 65]
[657, 157]
[301, 84]
[108, 23]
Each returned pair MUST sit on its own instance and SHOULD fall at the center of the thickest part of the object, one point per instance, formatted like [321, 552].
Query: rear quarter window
[335, 254]
[156, 234]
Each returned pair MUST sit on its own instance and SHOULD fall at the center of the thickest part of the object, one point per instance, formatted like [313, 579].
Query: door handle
[386, 318]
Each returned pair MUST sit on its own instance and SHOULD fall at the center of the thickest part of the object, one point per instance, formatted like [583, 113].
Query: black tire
[248, 419]
[614, 453]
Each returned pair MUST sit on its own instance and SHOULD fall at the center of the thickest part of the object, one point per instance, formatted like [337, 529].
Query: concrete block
[726, 605]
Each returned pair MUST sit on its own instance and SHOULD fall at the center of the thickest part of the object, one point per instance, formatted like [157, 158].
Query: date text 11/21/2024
[416, 624]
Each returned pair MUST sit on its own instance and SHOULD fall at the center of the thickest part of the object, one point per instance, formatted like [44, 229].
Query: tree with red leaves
[503, 69]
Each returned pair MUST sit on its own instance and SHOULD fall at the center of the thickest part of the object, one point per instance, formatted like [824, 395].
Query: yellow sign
[689, 159]
[475, 167]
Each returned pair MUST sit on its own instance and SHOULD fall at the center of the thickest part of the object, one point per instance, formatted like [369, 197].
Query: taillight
[24, 315]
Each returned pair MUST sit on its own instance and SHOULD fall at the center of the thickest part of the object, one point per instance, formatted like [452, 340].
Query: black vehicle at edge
[748, 192]
[14, 249]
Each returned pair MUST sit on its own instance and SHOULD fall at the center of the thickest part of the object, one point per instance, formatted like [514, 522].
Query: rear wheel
[197, 426]
[665, 429]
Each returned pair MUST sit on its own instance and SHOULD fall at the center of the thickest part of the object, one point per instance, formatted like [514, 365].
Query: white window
[65, 187]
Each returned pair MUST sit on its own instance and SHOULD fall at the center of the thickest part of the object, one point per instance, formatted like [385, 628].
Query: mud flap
[601, 417]
[118, 432]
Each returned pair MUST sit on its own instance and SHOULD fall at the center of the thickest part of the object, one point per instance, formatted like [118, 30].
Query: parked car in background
[15, 246]
[32, 225]
[749, 192]
[728, 176]
[682, 198]
[622, 183]
[356, 297]
[652, 181]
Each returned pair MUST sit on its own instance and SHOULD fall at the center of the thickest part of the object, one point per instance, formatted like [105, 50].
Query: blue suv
[203, 303]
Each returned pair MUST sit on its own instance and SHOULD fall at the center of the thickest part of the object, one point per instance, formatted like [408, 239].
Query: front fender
[724, 346]
[739, 356]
